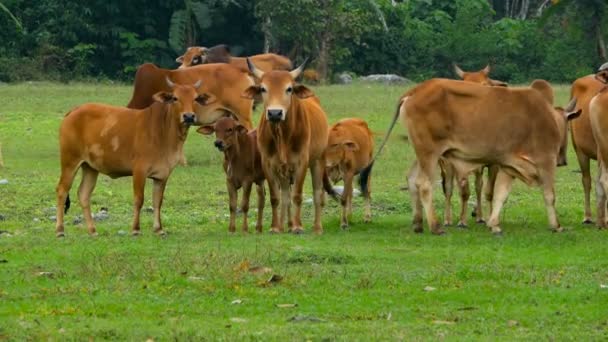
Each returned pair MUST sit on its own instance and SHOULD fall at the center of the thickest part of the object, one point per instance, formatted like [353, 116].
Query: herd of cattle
[461, 126]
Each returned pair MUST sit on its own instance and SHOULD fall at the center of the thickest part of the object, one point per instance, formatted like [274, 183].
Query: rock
[388, 79]
[53, 218]
[2, 217]
[77, 220]
[344, 78]
[149, 210]
[36, 219]
[429, 288]
[101, 215]
[339, 189]
[3, 181]
[122, 232]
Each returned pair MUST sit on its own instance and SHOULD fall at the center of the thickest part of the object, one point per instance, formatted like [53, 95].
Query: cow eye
[196, 60]
[289, 90]
[262, 89]
[173, 98]
[229, 130]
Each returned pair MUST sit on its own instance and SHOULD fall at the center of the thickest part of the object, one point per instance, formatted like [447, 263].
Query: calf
[349, 152]
[292, 136]
[118, 142]
[242, 164]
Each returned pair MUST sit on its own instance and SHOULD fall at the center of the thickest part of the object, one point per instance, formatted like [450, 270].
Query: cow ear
[252, 92]
[573, 115]
[205, 99]
[241, 129]
[164, 97]
[602, 76]
[180, 59]
[206, 130]
[302, 91]
[350, 145]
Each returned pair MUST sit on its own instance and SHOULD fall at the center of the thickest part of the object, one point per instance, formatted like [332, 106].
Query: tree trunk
[601, 45]
[267, 35]
[323, 61]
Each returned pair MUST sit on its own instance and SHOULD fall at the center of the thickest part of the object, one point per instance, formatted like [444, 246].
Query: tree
[10, 14]
[187, 23]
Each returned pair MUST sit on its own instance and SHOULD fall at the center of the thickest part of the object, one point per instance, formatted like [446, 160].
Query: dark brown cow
[292, 136]
[242, 165]
[349, 152]
[598, 117]
[471, 125]
[221, 54]
[119, 142]
[583, 90]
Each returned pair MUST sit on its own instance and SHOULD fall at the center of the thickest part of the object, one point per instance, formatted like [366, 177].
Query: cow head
[570, 113]
[602, 74]
[482, 77]
[195, 55]
[226, 131]
[278, 89]
[182, 101]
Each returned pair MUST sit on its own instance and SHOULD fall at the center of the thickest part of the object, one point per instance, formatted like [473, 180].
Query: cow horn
[458, 71]
[571, 105]
[297, 71]
[255, 71]
[198, 84]
[169, 83]
[486, 70]
[603, 67]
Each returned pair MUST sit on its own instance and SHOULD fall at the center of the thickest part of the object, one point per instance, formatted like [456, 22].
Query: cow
[196, 55]
[481, 77]
[292, 136]
[471, 125]
[349, 152]
[598, 117]
[583, 90]
[242, 165]
[119, 142]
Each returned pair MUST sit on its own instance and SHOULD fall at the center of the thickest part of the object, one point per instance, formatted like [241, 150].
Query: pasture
[376, 281]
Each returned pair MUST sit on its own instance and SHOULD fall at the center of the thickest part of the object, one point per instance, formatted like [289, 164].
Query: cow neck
[240, 153]
[282, 132]
[164, 127]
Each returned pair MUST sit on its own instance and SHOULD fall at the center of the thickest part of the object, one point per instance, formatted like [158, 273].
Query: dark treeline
[558, 40]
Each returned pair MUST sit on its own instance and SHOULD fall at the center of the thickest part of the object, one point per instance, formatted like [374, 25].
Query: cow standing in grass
[118, 142]
[292, 136]
[242, 165]
[349, 153]
[598, 115]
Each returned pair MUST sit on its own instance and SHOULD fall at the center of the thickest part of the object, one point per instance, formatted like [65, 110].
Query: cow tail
[328, 187]
[364, 179]
[388, 133]
[67, 204]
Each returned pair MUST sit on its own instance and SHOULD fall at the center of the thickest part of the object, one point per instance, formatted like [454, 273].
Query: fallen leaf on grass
[286, 306]
[242, 266]
[429, 288]
[275, 279]
[512, 323]
[46, 274]
[196, 278]
[260, 270]
[437, 321]
[238, 320]
[236, 302]
[303, 318]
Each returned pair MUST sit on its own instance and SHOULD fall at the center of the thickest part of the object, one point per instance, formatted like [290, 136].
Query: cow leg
[68, 172]
[317, 169]
[489, 189]
[245, 204]
[415, 198]
[478, 213]
[502, 187]
[87, 184]
[347, 196]
[601, 190]
[465, 193]
[447, 182]
[549, 195]
[157, 202]
[261, 199]
[139, 184]
[232, 200]
[368, 199]
[274, 189]
[424, 183]
[285, 203]
[296, 196]
[584, 163]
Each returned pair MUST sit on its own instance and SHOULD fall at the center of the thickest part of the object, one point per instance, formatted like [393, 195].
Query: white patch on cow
[115, 143]
[110, 122]
[96, 151]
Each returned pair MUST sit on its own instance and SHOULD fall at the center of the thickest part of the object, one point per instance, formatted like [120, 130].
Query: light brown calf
[349, 153]
[472, 125]
[598, 115]
[292, 136]
[242, 165]
[119, 142]
[196, 55]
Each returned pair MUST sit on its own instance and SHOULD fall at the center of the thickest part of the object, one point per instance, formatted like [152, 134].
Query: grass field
[377, 281]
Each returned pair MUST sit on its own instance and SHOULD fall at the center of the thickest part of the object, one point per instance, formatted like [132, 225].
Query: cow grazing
[221, 54]
[292, 136]
[583, 90]
[598, 116]
[242, 164]
[118, 142]
[349, 152]
[471, 125]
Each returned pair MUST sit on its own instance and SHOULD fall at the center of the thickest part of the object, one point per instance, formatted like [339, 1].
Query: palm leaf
[177, 31]
[10, 14]
[202, 14]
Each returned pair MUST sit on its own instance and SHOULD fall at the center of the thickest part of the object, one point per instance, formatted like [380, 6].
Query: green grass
[364, 284]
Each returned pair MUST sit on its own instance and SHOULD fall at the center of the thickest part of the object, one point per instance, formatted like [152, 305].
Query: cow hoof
[161, 233]
[136, 233]
[418, 229]
[462, 225]
[275, 231]
[367, 220]
[93, 234]
[344, 226]
[587, 221]
[438, 231]
[318, 231]
[447, 224]
[497, 233]
[297, 231]
[60, 235]
[473, 214]
[558, 230]
[480, 221]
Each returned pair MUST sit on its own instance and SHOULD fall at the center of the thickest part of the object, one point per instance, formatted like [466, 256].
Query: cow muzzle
[189, 118]
[274, 115]
[220, 145]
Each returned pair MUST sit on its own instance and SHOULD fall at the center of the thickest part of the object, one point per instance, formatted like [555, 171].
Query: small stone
[236, 302]
[344, 78]
[512, 323]
[429, 288]
[36, 219]
[53, 218]
[149, 210]
[122, 232]
[238, 320]
[3, 181]
[77, 220]
[388, 79]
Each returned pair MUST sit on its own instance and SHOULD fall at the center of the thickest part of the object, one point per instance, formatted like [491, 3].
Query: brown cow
[118, 142]
[583, 90]
[481, 77]
[349, 152]
[221, 54]
[242, 165]
[598, 116]
[292, 136]
[472, 125]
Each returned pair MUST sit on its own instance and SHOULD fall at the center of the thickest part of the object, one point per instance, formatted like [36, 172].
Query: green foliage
[185, 23]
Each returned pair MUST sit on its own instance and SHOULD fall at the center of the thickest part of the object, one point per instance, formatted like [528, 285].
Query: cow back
[583, 90]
